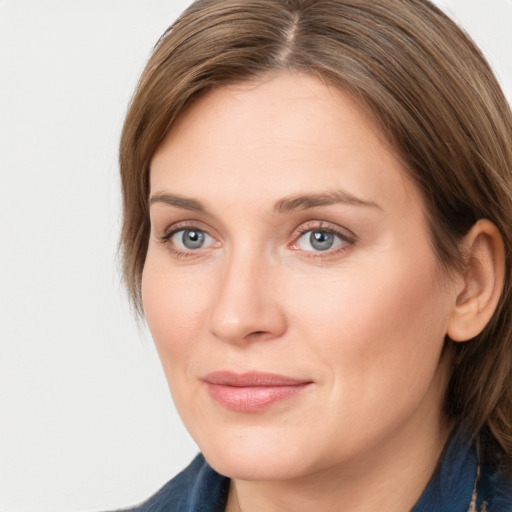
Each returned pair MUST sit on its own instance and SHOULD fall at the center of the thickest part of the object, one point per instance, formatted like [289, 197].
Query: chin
[255, 457]
[253, 465]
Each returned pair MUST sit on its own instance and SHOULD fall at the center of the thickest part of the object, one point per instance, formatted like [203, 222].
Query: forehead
[280, 136]
[279, 100]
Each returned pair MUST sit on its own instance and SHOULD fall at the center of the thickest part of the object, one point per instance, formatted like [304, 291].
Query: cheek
[174, 309]
[384, 324]
[378, 337]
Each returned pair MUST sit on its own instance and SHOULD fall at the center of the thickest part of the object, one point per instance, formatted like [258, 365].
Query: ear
[481, 284]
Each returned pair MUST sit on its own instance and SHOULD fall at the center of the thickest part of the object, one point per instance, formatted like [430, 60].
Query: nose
[246, 306]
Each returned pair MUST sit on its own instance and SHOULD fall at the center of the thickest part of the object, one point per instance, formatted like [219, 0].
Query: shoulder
[495, 492]
[198, 488]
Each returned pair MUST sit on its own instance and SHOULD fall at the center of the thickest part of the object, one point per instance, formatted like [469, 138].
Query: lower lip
[252, 398]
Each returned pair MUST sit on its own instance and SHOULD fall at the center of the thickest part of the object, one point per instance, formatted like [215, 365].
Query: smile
[252, 392]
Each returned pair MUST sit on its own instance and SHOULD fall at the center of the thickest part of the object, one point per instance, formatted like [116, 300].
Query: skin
[364, 321]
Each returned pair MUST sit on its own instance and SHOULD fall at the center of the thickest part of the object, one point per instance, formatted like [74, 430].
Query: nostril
[258, 336]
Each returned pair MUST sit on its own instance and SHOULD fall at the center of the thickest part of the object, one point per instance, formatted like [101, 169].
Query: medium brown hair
[436, 100]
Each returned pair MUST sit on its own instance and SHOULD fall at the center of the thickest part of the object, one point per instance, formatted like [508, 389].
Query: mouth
[253, 391]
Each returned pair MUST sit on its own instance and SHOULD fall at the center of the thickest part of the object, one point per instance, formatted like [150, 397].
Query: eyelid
[347, 237]
[192, 225]
[180, 246]
[173, 228]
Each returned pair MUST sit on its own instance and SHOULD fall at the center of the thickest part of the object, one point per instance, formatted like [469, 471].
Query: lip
[252, 391]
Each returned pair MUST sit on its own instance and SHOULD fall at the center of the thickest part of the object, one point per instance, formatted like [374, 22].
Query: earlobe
[482, 281]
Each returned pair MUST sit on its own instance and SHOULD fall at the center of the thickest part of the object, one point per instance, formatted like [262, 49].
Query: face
[290, 285]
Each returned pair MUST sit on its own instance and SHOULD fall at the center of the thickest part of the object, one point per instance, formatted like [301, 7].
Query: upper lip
[252, 379]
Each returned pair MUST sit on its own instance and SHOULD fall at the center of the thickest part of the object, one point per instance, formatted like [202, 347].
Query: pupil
[321, 241]
[192, 239]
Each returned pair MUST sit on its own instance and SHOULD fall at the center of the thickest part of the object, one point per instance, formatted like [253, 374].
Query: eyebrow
[304, 202]
[287, 204]
[184, 203]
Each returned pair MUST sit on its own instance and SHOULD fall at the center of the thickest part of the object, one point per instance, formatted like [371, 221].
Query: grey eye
[191, 239]
[321, 241]
[318, 241]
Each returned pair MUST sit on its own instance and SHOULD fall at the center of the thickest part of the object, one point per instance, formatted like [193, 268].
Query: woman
[317, 211]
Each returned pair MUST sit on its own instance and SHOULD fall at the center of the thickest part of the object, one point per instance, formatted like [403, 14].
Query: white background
[86, 421]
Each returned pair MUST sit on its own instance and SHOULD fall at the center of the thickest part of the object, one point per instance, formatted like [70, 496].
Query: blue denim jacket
[459, 485]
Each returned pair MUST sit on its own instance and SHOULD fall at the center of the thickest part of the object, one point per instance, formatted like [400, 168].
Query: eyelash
[347, 239]
[176, 228]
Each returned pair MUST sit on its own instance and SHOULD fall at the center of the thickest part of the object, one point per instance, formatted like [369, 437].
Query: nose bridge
[245, 305]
